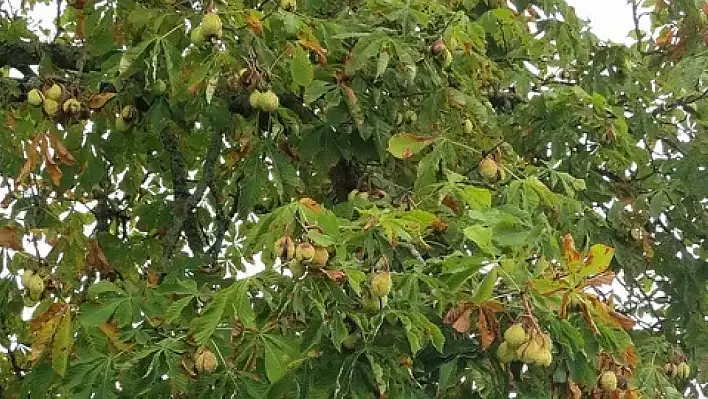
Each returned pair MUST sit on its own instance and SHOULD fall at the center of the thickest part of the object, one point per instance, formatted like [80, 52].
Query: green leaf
[406, 145]
[316, 90]
[413, 334]
[482, 236]
[95, 314]
[486, 287]
[174, 311]
[382, 63]
[301, 68]
[477, 198]
[205, 325]
[103, 287]
[275, 362]
[365, 49]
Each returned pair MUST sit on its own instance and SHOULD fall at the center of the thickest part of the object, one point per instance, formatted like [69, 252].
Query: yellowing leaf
[405, 145]
[44, 327]
[598, 259]
[62, 343]
[255, 24]
[570, 254]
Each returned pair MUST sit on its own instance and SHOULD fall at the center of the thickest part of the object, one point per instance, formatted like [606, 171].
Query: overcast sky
[611, 19]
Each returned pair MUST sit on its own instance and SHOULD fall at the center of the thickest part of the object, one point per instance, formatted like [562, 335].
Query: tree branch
[184, 216]
[223, 219]
[21, 54]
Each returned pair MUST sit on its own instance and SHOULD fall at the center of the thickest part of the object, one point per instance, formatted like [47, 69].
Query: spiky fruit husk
[546, 341]
[320, 259]
[304, 252]
[670, 369]
[410, 116]
[608, 381]
[529, 352]
[121, 124]
[255, 99]
[289, 5]
[284, 248]
[505, 353]
[399, 118]
[297, 269]
[50, 106]
[26, 278]
[197, 36]
[683, 370]
[54, 92]
[351, 340]
[269, 101]
[438, 47]
[71, 106]
[36, 286]
[446, 59]
[381, 284]
[488, 168]
[371, 303]
[545, 359]
[515, 335]
[128, 113]
[469, 127]
[205, 361]
[35, 97]
[29, 302]
[211, 25]
[158, 87]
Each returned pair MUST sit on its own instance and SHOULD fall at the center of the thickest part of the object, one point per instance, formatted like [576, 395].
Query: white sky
[610, 19]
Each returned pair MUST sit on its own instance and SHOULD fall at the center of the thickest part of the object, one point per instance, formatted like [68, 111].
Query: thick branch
[184, 216]
[223, 220]
[19, 55]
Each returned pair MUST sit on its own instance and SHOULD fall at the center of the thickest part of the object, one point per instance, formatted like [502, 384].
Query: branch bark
[185, 219]
[22, 54]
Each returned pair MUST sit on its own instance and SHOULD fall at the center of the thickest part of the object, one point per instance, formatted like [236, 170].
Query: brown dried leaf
[98, 100]
[32, 160]
[601, 279]
[630, 356]
[462, 324]
[310, 204]
[335, 275]
[61, 152]
[95, 257]
[486, 332]
[53, 171]
[452, 203]
[570, 254]
[314, 46]
[10, 238]
[573, 391]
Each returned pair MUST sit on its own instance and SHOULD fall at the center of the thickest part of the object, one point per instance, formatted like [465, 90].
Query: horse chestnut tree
[351, 199]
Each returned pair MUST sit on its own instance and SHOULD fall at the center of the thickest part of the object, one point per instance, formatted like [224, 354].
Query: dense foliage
[352, 199]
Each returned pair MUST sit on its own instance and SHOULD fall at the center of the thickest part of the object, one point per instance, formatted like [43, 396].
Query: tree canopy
[352, 199]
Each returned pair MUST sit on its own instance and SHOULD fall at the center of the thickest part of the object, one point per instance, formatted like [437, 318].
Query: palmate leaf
[150, 214]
